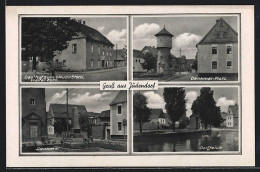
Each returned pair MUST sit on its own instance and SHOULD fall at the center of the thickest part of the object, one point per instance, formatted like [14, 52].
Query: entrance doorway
[103, 63]
[33, 131]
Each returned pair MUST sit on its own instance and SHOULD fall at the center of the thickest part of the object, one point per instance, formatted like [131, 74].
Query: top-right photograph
[186, 48]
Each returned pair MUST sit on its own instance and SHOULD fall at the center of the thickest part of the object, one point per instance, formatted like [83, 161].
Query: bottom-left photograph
[72, 120]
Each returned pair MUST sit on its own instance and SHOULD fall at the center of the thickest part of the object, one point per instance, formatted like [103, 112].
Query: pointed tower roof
[164, 32]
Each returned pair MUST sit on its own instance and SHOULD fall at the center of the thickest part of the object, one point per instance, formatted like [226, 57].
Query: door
[33, 131]
[103, 63]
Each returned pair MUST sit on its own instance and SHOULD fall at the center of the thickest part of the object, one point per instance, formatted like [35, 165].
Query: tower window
[99, 50]
[92, 63]
[32, 101]
[119, 126]
[64, 63]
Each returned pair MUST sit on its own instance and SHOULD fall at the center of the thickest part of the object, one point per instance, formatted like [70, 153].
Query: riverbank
[167, 133]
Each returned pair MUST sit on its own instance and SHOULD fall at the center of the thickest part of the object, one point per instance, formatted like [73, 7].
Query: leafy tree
[41, 37]
[149, 62]
[195, 65]
[175, 103]
[205, 107]
[60, 125]
[141, 111]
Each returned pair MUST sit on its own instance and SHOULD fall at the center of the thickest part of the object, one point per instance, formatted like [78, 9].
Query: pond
[221, 140]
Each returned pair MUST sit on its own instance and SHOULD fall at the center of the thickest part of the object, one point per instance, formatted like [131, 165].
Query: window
[103, 52]
[32, 101]
[229, 64]
[99, 50]
[229, 50]
[214, 50]
[64, 63]
[214, 65]
[92, 63]
[74, 48]
[119, 126]
[92, 48]
[135, 60]
[107, 53]
[119, 109]
[111, 54]
[84, 22]
[139, 60]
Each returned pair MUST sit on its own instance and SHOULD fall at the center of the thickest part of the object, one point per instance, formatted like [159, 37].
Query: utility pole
[67, 95]
[180, 52]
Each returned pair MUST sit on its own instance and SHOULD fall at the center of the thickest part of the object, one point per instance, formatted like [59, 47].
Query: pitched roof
[234, 109]
[164, 32]
[220, 28]
[60, 110]
[152, 50]
[120, 97]
[120, 55]
[137, 54]
[157, 113]
[93, 34]
[105, 113]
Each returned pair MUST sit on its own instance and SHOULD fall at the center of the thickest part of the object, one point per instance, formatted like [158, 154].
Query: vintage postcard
[173, 48]
[130, 86]
[73, 48]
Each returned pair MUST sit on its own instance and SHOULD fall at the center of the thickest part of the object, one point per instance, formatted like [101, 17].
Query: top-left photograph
[73, 49]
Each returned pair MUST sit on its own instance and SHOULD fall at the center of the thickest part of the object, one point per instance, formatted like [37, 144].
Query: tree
[141, 111]
[205, 107]
[41, 37]
[195, 65]
[149, 62]
[60, 125]
[175, 103]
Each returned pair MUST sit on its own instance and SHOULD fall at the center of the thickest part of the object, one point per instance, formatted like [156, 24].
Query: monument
[76, 140]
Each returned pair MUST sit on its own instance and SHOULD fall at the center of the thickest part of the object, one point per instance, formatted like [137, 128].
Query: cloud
[93, 102]
[224, 103]
[117, 37]
[146, 30]
[190, 97]
[187, 43]
[144, 35]
[154, 100]
[100, 28]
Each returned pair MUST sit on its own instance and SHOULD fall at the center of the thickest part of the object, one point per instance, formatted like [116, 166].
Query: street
[90, 76]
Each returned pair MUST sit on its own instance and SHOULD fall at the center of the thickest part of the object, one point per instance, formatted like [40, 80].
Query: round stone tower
[164, 46]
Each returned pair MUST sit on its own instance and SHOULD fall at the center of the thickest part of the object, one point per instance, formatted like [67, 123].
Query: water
[210, 141]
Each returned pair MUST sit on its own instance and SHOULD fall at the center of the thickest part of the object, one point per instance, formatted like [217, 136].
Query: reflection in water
[214, 141]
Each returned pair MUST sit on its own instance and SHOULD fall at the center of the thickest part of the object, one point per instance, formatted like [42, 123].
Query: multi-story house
[90, 50]
[33, 114]
[118, 115]
[218, 51]
[138, 60]
[232, 117]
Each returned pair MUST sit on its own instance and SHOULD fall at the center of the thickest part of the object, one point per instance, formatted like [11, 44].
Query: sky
[114, 28]
[224, 96]
[187, 31]
[94, 99]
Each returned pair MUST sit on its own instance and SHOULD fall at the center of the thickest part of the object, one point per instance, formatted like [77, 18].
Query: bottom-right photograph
[187, 119]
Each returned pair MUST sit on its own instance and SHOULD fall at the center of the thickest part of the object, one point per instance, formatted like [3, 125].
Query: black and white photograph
[187, 119]
[73, 49]
[186, 48]
[60, 120]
